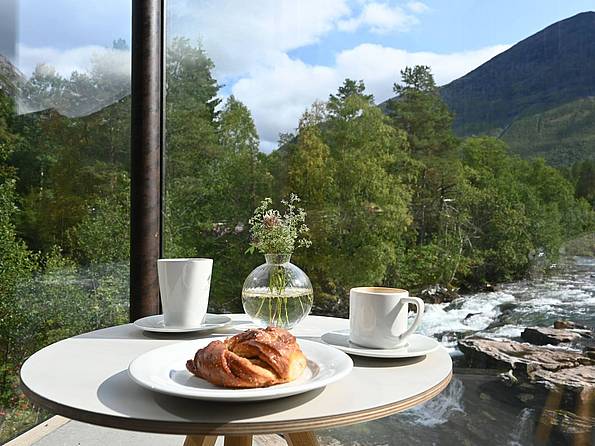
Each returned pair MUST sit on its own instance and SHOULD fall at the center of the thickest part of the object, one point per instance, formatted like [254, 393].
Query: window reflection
[64, 181]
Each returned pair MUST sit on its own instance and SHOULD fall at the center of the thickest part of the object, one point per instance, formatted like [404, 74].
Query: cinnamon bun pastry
[259, 357]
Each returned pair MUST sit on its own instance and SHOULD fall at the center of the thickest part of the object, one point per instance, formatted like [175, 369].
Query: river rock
[532, 366]
[437, 294]
[577, 428]
[489, 288]
[469, 316]
[568, 324]
[521, 357]
[552, 336]
[579, 379]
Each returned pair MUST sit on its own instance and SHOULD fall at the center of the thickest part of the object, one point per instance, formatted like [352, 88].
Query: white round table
[85, 378]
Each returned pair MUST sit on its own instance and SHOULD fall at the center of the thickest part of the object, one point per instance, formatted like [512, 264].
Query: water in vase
[266, 307]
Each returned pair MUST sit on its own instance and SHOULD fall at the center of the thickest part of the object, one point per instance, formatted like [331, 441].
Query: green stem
[270, 310]
[260, 308]
[286, 314]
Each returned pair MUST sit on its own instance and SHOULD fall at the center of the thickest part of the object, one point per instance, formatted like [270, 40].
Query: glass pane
[434, 149]
[64, 181]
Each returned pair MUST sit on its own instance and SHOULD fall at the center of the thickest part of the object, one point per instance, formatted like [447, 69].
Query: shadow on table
[386, 362]
[361, 361]
[122, 395]
[131, 332]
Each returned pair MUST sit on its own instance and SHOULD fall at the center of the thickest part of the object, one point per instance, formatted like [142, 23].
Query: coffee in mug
[378, 316]
[184, 286]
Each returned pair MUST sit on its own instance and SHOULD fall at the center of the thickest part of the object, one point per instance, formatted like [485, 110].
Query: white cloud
[65, 61]
[111, 66]
[239, 37]
[417, 7]
[278, 95]
[380, 18]
[380, 66]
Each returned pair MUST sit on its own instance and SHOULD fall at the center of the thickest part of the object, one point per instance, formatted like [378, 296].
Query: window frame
[147, 154]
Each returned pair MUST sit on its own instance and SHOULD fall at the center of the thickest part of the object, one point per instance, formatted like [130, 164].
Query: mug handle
[420, 311]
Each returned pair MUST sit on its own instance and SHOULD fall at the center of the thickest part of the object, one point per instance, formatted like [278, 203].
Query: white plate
[417, 345]
[164, 370]
[156, 324]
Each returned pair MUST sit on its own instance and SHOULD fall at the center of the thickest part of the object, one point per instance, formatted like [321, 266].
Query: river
[474, 409]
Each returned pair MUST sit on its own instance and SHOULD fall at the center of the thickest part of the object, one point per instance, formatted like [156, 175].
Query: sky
[279, 56]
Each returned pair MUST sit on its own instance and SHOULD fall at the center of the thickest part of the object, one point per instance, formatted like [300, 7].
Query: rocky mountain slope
[538, 95]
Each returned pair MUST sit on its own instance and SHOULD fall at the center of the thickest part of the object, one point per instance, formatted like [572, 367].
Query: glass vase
[277, 293]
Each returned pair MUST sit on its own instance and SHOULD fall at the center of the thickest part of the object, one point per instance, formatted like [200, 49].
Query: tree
[583, 176]
[102, 235]
[421, 113]
[338, 103]
[247, 179]
[193, 175]
[311, 171]
[44, 89]
[16, 262]
[357, 200]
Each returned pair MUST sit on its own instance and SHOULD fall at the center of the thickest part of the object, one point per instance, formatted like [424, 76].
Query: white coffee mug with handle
[184, 286]
[378, 316]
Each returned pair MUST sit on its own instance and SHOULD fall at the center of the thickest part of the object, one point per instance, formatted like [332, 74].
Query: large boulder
[523, 358]
[553, 336]
[580, 380]
[535, 370]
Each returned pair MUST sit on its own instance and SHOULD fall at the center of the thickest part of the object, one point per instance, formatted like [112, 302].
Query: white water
[538, 302]
[521, 434]
[468, 314]
[438, 410]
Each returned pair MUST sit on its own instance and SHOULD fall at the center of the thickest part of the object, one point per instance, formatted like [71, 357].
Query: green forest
[392, 197]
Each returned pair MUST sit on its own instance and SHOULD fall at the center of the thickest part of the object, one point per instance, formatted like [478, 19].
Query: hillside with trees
[537, 96]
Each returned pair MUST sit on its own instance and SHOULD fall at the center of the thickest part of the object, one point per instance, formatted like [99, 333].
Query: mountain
[10, 77]
[538, 95]
[82, 96]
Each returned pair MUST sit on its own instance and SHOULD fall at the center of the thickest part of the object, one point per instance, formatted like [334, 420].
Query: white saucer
[418, 345]
[157, 325]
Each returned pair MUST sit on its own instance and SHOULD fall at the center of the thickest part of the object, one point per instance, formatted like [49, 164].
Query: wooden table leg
[200, 440]
[241, 440]
[301, 439]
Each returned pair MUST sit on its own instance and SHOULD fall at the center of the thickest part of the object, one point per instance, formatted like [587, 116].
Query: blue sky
[457, 25]
[278, 56]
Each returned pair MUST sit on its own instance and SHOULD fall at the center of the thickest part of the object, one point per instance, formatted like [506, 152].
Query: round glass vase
[277, 293]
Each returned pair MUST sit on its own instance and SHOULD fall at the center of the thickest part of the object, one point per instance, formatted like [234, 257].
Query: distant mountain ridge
[528, 86]
[10, 77]
[554, 66]
[85, 99]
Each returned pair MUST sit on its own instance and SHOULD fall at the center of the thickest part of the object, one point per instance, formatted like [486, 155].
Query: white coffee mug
[184, 286]
[378, 316]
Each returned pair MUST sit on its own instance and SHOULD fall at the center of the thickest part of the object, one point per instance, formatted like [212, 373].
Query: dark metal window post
[146, 159]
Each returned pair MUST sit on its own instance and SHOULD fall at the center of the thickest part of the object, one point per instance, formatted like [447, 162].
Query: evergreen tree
[421, 113]
[194, 178]
[247, 179]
